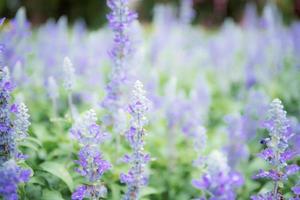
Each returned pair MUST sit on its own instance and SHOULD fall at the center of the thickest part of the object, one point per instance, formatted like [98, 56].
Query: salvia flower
[120, 19]
[11, 176]
[277, 151]
[14, 123]
[136, 177]
[296, 191]
[91, 163]
[218, 180]
[7, 134]
[21, 122]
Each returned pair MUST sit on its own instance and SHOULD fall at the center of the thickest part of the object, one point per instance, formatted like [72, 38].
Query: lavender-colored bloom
[15, 39]
[277, 151]
[52, 88]
[136, 177]
[69, 81]
[69, 74]
[296, 191]
[254, 113]
[12, 130]
[236, 148]
[187, 12]
[218, 180]
[90, 160]
[7, 134]
[2, 21]
[21, 122]
[11, 176]
[120, 19]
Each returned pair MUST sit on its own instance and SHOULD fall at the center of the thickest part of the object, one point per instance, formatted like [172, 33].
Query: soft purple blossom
[11, 176]
[120, 19]
[236, 148]
[277, 151]
[136, 177]
[187, 12]
[296, 189]
[218, 181]
[91, 163]
[14, 123]
[15, 39]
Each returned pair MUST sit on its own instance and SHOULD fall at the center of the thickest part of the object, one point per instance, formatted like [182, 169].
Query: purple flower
[236, 148]
[187, 12]
[87, 131]
[90, 160]
[14, 38]
[218, 181]
[277, 151]
[91, 163]
[11, 176]
[8, 136]
[136, 177]
[89, 191]
[296, 189]
[14, 123]
[120, 19]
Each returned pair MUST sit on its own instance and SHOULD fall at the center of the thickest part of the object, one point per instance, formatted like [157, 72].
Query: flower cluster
[218, 180]
[7, 143]
[296, 191]
[90, 160]
[11, 176]
[277, 151]
[12, 130]
[136, 177]
[120, 20]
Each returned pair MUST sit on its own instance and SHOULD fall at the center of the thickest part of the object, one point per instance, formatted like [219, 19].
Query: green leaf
[30, 145]
[147, 191]
[59, 171]
[37, 180]
[34, 140]
[51, 195]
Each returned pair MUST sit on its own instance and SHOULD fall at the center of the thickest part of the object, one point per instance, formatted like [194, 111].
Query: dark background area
[208, 12]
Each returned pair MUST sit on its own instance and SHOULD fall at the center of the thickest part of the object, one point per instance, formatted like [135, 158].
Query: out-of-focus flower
[69, 74]
[187, 12]
[218, 181]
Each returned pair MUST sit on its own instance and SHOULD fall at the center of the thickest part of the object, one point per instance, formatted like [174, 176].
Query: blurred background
[211, 13]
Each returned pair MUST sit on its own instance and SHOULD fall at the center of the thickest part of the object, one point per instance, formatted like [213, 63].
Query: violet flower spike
[218, 180]
[136, 177]
[69, 82]
[277, 151]
[11, 176]
[91, 163]
[14, 123]
[120, 19]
